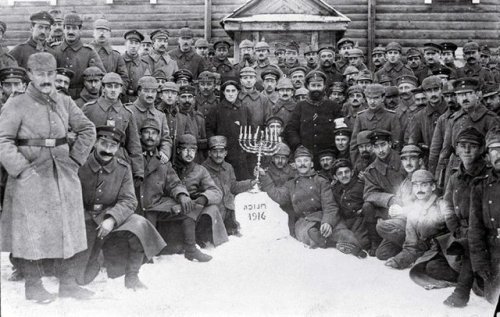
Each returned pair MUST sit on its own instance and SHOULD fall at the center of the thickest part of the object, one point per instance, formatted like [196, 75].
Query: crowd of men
[137, 154]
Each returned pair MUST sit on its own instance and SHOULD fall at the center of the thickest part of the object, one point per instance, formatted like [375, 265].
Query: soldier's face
[350, 79]
[285, 93]
[391, 102]
[382, 149]
[187, 154]
[112, 91]
[405, 90]
[343, 175]
[43, 80]
[393, 56]
[132, 46]
[14, 85]
[448, 57]
[363, 83]
[56, 28]
[410, 163]
[102, 35]
[270, 84]
[275, 128]
[303, 164]
[355, 99]
[341, 142]
[169, 97]
[468, 152]
[62, 82]
[280, 55]
[326, 58]
[217, 155]
[150, 138]
[221, 52]
[355, 60]
[185, 43]
[206, 87]
[378, 59]
[423, 190]
[280, 161]
[492, 102]
[71, 33]
[160, 44]
[230, 93]
[485, 60]
[433, 95]
[291, 56]
[300, 97]
[247, 52]
[40, 31]
[337, 96]
[467, 99]
[344, 49]
[146, 47]
[147, 95]
[202, 51]
[186, 101]
[262, 54]
[451, 100]
[493, 156]
[248, 81]
[105, 149]
[326, 162]
[92, 85]
[375, 102]
[298, 79]
[420, 99]
[472, 57]
[431, 57]
[311, 58]
[365, 150]
[414, 62]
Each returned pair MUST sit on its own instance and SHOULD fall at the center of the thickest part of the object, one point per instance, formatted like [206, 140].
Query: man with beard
[392, 100]
[483, 221]
[407, 108]
[108, 110]
[312, 121]
[382, 180]
[291, 58]
[111, 59]
[448, 55]
[158, 58]
[92, 77]
[491, 98]
[392, 230]
[168, 105]
[223, 175]
[337, 93]
[126, 239]
[144, 109]
[63, 79]
[260, 107]
[326, 158]
[40, 29]
[185, 56]
[394, 67]
[56, 29]
[247, 55]
[318, 220]
[311, 57]
[206, 99]
[350, 75]
[378, 58]
[422, 127]
[342, 138]
[326, 54]
[285, 105]
[473, 67]
[375, 117]
[74, 55]
[136, 67]
[221, 63]
[366, 155]
[298, 75]
[262, 51]
[364, 78]
[344, 45]
[354, 105]
[432, 56]
[414, 60]
[13, 82]
[270, 77]
[356, 58]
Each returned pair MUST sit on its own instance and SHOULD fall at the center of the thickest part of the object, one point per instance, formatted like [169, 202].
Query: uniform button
[492, 219]
[312, 198]
[311, 187]
[99, 190]
[490, 202]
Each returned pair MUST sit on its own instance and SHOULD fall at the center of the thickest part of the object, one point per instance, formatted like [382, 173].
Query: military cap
[150, 123]
[9, 74]
[279, 47]
[345, 41]
[432, 47]
[110, 133]
[183, 74]
[384, 79]
[160, 74]
[350, 70]
[484, 50]
[493, 137]
[57, 15]
[301, 92]
[283, 149]
[65, 72]
[411, 150]
[72, 19]
[355, 89]
[343, 132]
[229, 81]
[206, 76]
[363, 137]
[380, 135]
[489, 89]
[309, 49]
[3, 27]
[169, 85]
[112, 78]
[186, 32]
[422, 176]
[284, 83]
[315, 75]
[41, 61]
[394, 46]
[431, 82]
[364, 75]
[448, 87]
[339, 163]
[246, 43]
[217, 141]
[222, 43]
[442, 71]
[325, 46]
[262, 46]
[447, 46]
[42, 17]
[470, 46]
[374, 90]
[292, 46]
[147, 82]
[147, 39]
[413, 52]
[409, 79]
[298, 69]
[201, 43]
[247, 71]
[391, 91]
[190, 90]
[133, 35]
[302, 151]
[160, 33]
[338, 86]
[379, 50]
[93, 72]
[417, 90]
[355, 52]
[274, 119]
[270, 71]
[466, 84]
[102, 24]
[470, 135]
[187, 140]
[326, 152]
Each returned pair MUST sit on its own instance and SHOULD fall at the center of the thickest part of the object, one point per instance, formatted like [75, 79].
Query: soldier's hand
[186, 204]
[253, 182]
[71, 137]
[27, 173]
[326, 230]
[259, 171]
[392, 263]
[361, 175]
[164, 158]
[105, 227]
[395, 210]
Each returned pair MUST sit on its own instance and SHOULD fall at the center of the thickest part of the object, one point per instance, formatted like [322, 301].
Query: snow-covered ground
[250, 276]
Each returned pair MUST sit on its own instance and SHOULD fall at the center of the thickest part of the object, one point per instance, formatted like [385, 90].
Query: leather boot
[374, 238]
[33, 286]
[134, 263]
[349, 248]
[232, 226]
[191, 252]
[17, 274]
[67, 283]
[457, 299]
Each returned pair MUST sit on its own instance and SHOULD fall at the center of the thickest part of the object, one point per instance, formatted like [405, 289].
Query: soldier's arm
[448, 208]
[238, 186]
[173, 186]
[436, 144]
[329, 206]
[211, 122]
[208, 188]
[85, 132]
[374, 194]
[446, 149]
[126, 201]
[121, 69]
[134, 149]
[415, 133]
[353, 146]
[166, 141]
[280, 194]
[477, 234]
[292, 129]
[95, 60]
[410, 252]
[396, 132]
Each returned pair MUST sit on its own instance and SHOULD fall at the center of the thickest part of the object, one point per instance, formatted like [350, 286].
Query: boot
[172, 249]
[457, 299]
[349, 248]
[67, 284]
[33, 286]
[132, 281]
[195, 254]
[191, 252]
[232, 226]
[374, 238]
[317, 238]
[16, 275]
[134, 263]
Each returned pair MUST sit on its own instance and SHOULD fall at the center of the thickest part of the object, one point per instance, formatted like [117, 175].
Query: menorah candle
[256, 133]
[249, 132]
[241, 132]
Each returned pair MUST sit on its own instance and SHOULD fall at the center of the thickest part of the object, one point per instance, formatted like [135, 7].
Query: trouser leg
[33, 286]
[439, 269]
[68, 286]
[370, 222]
[116, 253]
[191, 252]
[393, 233]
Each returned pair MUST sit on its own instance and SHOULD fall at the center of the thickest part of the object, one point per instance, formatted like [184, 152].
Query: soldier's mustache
[420, 193]
[46, 85]
[105, 154]
[471, 59]
[302, 166]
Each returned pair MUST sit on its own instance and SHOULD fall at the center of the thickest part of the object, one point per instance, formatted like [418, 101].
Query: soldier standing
[158, 58]
[6, 59]
[56, 29]
[311, 57]
[206, 99]
[136, 67]
[92, 77]
[473, 67]
[185, 56]
[221, 63]
[393, 68]
[327, 65]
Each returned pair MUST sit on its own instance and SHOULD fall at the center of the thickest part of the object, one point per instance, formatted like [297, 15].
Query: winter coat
[136, 69]
[23, 51]
[204, 105]
[163, 62]
[283, 110]
[6, 59]
[393, 71]
[259, 105]
[438, 139]
[423, 125]
[43, 210]
[190, 61]
[112, 61]
[349, 197]
[482, 74]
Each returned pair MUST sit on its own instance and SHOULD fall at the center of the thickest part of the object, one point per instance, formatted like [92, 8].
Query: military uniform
[112, 61]
[225, 68]
[438, 139]
[279, 178]
[393, 71]
[423, 124]
[283, 110]
[6, 59]
[406, 115]
[23, 51]
[189, 60]
[162, 62]
[205, 104]
[260, 107]
[483, 74]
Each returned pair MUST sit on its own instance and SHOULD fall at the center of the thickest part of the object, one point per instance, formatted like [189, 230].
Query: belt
[95, 210]
[41, 142]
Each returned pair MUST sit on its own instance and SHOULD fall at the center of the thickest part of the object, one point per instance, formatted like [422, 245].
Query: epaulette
[390, 110]
[126, 107]
[122, 162]
[88, 46]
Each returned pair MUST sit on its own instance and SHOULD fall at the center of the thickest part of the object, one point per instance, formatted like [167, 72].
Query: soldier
[283, 108]
[92, 77]
[366, 155]
[6, 59]
[491, 98]
[326, 158]
[56, 29]
[260, 107]
[414, 60]
[298, 75]
[350, 76]
[74, 55]
[407, 108]
[473, 67]
[13, 81]
[125, 238]
[221, 63]
[448, 55]
[144, 109]
[270, 77]
[136, 67]
[327, 64]
[146, 45]
[262, 51]
[394, 67]
[183, 77]
[337, 93]
[40, 29]
[206, 100]
[391, 100]
[364, 78]
[420, 98]
[63, 79]
[42, 214]
[342, 138]
[279, 53]
[483, 221]
[247, 55]
[311, 57]
[158, 58]
[300, 94]
[185, 56]
[108, 110]
[356, 58]
[291, 58]
[223, 175]
[201, 48]
[432, 56]
[378, 58]
[275, 126]
[169, 93]
[343, 45]
[355, 103]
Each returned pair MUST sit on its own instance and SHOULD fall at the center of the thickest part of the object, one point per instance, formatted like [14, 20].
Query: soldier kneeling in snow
[318, 223]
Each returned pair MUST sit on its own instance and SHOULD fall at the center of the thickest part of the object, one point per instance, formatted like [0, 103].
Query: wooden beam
[208, 19]
[315, 40]
[371, 31]
[236, 47]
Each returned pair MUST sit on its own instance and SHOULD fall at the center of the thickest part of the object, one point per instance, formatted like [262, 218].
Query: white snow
[255, 275]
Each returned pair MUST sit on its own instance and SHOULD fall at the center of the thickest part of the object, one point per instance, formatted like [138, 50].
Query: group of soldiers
[138, 154]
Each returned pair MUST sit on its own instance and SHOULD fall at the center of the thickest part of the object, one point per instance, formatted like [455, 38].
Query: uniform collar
[370, 114]
[143, 107]
[393, 162]
[129, 58]
[396, 66]
[95, 166]
[254, 94]
[184, 55]
[210, 164]
[41, 97]
[478, 168]
[87, 96]
[439, 108]
[105, 104]
[311, 174]
[210, 99]
[475, 115]
[217, 62]
[74, 46]
[288, 105]
[155, 56]
[98, 47]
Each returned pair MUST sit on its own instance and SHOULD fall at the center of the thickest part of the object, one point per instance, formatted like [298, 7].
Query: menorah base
[255, 189]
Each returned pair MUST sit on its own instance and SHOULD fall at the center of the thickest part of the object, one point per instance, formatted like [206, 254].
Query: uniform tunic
[23, 51]
[423, 125]
[136, 69]
[393, 71]
[189, 60]
[112, 60]
[163, 62]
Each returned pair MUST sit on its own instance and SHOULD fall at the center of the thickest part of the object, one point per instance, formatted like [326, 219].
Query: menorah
[264, 144]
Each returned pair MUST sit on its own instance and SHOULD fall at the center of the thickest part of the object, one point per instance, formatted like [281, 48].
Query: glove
[186, 203]
[202, 200]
